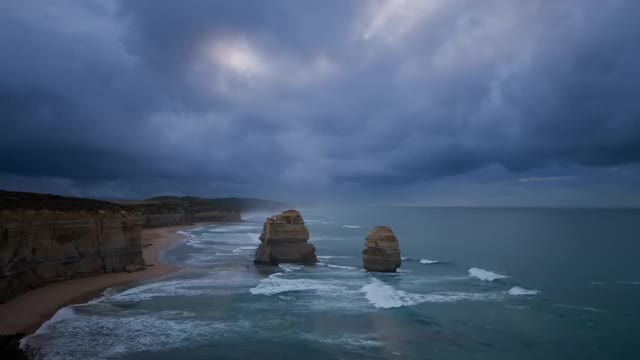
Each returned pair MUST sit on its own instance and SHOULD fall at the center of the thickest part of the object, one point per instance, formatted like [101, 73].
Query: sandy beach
[27, 312]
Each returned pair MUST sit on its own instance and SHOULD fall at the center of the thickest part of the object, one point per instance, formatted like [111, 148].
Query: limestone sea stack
[382, 251]
[284, 240]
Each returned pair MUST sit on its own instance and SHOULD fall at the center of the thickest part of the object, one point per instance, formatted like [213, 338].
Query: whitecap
[351, 226]
[485, 275]
[153, 332]
[163, 288]
[276, 285]
[596, 282]
[428, 262]
[334, 257]
[244, 248]
[341, 267]
[348, 341]
[574, 307]
[63, 314]
[290, 267]
[386, 296]
[404, 258]
[518, 290]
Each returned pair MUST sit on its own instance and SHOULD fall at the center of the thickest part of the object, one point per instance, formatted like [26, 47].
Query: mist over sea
[475, 283]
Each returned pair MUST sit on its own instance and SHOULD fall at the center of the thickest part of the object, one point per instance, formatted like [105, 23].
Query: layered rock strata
[284, 240]
[44, 238]
[382, 252]
[181, 211]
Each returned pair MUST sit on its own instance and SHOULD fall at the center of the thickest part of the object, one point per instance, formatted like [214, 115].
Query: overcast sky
[426, 102]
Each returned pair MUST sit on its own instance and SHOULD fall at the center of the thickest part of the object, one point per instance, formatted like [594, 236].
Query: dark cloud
[316, 99]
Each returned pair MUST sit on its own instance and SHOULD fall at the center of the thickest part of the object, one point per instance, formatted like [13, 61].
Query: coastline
[29, 311]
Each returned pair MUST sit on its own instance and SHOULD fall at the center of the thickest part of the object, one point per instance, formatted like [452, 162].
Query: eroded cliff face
[42, 245]
[217, 216]
[178, 211]
[284, 240]
[382, 251]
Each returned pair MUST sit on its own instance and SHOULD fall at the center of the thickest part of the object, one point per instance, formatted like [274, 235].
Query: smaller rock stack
[382, 251]
[284, 240]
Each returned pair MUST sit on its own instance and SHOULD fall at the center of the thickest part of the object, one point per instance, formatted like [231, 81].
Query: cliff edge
[45, 238]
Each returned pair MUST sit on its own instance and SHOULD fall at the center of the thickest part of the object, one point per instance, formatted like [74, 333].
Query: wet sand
[27, 312]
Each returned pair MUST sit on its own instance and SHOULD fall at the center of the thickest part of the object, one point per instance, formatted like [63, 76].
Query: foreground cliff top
[15, 200]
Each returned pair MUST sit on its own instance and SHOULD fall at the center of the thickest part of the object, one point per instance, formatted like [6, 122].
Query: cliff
[230, 203]
[44, 238]
[382, 252]
[170, 210]
[284, 240]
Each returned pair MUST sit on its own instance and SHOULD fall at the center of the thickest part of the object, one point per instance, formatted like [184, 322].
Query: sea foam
[276, 285]
[63, 314]
[341, 267]
[386, 296]
[428, 262]
[244, 248]
[485, 275]
[290, 267]
[351, 226]
[517, 290]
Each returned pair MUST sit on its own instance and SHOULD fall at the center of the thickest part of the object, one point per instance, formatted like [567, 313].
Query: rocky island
[284, 240]
[382, 252]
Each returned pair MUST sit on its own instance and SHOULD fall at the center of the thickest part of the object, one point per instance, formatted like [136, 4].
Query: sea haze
[474, 283]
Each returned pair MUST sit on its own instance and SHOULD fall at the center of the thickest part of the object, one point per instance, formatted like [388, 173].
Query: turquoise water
[474, 284]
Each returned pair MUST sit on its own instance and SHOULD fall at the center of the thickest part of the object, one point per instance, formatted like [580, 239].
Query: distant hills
[25, 200]
[230, 203]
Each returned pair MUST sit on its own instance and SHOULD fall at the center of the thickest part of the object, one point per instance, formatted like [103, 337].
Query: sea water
[474, 284]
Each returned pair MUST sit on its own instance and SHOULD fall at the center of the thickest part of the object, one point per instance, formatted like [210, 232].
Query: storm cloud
[403, 101]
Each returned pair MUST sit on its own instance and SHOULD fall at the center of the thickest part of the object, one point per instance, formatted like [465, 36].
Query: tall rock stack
[382, 251]
[284, 240]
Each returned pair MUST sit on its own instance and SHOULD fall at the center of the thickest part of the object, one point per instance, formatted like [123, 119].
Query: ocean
[475, 283]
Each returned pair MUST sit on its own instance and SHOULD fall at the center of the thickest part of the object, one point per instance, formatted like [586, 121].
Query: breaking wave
[429, 262]
[277, 285]
[485, 275]
[386, 296]
[348, 341]
[243, 249]
[341, 267]
[517, 290]
[63, 314]
[352, 227]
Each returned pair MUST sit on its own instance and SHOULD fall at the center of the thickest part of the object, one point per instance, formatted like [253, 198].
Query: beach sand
[27, 312]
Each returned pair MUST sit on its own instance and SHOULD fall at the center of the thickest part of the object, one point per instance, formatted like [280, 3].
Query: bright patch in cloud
[392, 18]
[239, 56]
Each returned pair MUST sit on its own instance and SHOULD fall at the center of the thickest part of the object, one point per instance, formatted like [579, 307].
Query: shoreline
[27, 312]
